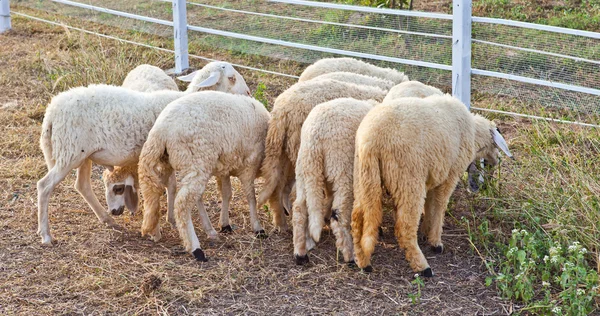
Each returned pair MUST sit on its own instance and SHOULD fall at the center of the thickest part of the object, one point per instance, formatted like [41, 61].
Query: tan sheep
[283, 137]
[417, 148]
[411, 89]
[328, 65]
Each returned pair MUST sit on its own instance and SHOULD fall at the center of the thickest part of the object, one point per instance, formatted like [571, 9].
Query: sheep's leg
[340, 221]
[247, 180]
[409, 209]
[84, 186]
[224, 185]
[300, 226]
[439, 202]
[285, 195]
[426, 223]
[45, 187]
[210, 231]
[171, 192]
[276, 199]
[189, 193]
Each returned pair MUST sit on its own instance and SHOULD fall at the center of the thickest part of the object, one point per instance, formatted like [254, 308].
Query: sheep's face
[120, 194]
[221, 77]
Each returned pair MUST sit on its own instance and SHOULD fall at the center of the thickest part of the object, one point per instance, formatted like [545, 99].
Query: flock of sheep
[340, 135]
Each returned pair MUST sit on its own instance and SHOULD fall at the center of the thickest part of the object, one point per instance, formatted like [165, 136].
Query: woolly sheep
[411, 89]
[324, 170]
[359, 79]
[283, 137]
[148, 78]
[200, 135]
[107, 125]
[326, 155]
[417, 148]
[328, 65]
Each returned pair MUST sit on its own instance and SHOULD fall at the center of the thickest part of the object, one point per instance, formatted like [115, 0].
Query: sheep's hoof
[199, 255]
[301, 260]
[47, 240]
[438, 249]
[261, 234]
[380, 232]
[351, 264]
[368, 269]
[226, 229]
[428, 273]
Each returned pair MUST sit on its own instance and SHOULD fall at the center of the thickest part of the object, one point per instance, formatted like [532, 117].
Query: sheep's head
[121, 187]
[488, 140]
[218, 76]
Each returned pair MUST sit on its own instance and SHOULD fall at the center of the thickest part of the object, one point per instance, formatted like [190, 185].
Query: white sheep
[107, 125]
[148, 78]
[328, 65]
[200, 135]
[359, 79]
[324, 174]
[283, 137]
[417, 148]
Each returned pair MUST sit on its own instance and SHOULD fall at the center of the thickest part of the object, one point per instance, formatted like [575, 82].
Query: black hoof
[261, 234]
[226, 229]
[301, 260]
[368, 269]
[199, 255]
[286, 211]
[351, 264]
[438, 249]
[380, 232]
[428, 273]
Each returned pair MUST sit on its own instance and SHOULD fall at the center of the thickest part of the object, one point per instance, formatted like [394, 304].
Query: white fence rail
[462, 35]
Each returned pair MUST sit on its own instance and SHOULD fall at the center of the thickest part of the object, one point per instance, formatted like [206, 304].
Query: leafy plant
[568, 285]
[259, 94]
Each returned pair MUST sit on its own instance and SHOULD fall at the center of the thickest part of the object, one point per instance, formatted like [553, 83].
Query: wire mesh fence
[383, 38]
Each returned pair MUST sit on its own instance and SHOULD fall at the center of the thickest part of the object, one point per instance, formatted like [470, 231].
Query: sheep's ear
[210, 81]
[131, 199]
[188, 77]
[500, 142]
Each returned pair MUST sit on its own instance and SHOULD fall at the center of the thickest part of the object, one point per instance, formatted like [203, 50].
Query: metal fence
[543, 67]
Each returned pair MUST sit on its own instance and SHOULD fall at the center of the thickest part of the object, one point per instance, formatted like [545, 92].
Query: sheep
[328, 65]
[200, 135]
[326, 155]
[324, 167]
[107, 125]
[411, 89]
[148, 78]
[355, 78]
[283, 137]
[417, 148]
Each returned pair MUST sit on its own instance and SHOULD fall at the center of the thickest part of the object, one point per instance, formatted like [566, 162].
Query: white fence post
[4, 16]
[461, 51]
[180, 36]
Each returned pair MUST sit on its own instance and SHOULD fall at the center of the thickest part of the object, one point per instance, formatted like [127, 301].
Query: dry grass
[94, 270]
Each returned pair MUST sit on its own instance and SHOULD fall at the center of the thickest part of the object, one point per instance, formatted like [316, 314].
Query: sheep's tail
[367, 212]
[153, 167]
[314, 186]
[272, 167]
[46, 142]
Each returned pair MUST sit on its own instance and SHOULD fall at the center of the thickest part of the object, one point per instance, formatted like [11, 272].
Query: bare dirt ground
[91, 269]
